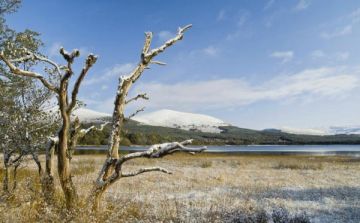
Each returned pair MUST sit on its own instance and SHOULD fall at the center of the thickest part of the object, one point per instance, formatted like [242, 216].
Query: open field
[206, 188]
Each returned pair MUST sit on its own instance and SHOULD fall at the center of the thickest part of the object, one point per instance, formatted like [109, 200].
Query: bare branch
[136, 112]
[148, 38]
[33, 56]
[144, 170]
[74, 135]
[158, 62]
[143, 96]
[160, 150]
[22, 59]
[90, 61]
[25, 73]
[147, 54]
[69, 57]
[86, 131]
[168, 43]
[44, 59]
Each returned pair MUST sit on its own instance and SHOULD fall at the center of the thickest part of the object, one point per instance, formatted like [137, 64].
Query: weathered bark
[64, 165]
[66, 109]
[111, 170]
[74, 136]
[15, 176]
[6, 180]
[155, 151]
[47, 180]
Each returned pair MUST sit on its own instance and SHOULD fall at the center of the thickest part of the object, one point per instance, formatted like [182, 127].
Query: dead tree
[65, 141]
[111, 170]
[66, 105]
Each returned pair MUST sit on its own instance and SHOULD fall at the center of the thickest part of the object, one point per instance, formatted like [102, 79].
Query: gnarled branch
[143, 96]
[69, 57]
[151, 54]
[136, 112]
[144, 170]
[90, 61]
[155, 151]
[33, 56]
[25, 73]
[160, 150]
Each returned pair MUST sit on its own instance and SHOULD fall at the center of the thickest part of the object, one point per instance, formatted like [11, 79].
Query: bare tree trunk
[15, 176]
[47, 181]
[66, 107]
[96, 196]
[6, 179]
[67, 185]
[111, 170]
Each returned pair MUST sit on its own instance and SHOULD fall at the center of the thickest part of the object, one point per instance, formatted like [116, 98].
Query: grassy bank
[207, 188]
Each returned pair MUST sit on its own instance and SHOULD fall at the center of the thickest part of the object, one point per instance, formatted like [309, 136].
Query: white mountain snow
[182, 120]
[203, 123]
[88, 115]
[332, 130]
[305, 131]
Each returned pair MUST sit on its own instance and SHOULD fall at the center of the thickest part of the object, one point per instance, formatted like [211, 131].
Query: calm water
[258, 149]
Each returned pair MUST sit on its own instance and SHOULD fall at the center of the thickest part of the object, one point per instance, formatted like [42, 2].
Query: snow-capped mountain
[88, 115]
[332, 130]
[336, 130]
[181, 120]
[305, 131]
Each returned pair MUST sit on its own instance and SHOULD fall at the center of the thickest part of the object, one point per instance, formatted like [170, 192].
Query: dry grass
[206, 188]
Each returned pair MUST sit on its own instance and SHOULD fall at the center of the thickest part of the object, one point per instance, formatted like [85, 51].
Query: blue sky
[255, 64]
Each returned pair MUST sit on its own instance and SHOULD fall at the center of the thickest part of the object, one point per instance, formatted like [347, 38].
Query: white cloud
[104, 87]
[302, 5]
[342, 56]
[211, 51]
[338, 32]
[243, 18]
[285, 56]
[355, 16]
[316, 54]
[230, 93]
[222, 15]
[54, 49]
[269, 4]
[117, 70]
[165, 35]
[333, 57]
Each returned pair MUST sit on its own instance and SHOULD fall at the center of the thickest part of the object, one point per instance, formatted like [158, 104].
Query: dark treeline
[136, 134]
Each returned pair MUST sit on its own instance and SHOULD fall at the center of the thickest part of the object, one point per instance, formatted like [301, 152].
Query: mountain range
[204, 123]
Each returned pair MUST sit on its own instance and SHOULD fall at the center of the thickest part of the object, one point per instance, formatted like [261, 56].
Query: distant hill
[332, 130]
[88, 115]
[181, 120]
[167, 125]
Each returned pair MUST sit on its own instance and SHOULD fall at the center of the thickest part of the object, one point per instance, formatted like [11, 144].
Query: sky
[254, 64]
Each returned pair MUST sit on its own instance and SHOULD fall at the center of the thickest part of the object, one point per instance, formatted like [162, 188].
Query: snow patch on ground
[182, 120]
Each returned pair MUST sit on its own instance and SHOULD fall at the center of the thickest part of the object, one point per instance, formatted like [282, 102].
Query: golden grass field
[204, 188]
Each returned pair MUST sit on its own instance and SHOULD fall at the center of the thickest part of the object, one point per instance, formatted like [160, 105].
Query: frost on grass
[234, 189]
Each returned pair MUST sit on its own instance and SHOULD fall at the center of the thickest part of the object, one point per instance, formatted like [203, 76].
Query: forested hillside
[139, 134]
